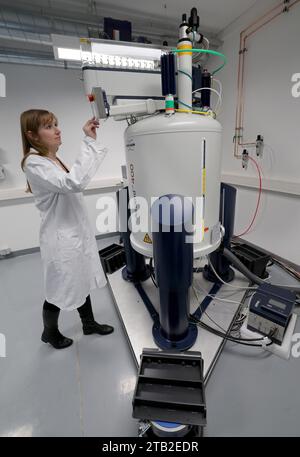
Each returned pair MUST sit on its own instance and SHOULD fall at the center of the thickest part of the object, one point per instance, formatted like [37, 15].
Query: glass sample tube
[91, 99]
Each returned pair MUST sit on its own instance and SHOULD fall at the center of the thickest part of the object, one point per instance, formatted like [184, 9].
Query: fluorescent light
[106, 55]
[139, 52]
[105, 60]
[67, 45]
[110, 61]
[69, 54]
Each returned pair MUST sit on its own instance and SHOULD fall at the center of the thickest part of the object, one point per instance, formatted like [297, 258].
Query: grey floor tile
[252, 392]
[108, 376]
[84, 390]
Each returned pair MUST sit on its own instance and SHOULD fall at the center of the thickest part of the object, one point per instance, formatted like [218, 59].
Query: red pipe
[241, 68]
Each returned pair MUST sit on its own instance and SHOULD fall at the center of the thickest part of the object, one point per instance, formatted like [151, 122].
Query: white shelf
[20, 194]
[269, 185]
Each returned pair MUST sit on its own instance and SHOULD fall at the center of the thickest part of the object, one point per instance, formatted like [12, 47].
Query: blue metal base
[227, 275]
[207, 300]
[135, 278]
[169, 425]
[181, 345]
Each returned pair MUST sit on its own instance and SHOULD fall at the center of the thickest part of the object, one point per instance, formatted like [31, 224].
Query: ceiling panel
[26, 25]
[215, 15]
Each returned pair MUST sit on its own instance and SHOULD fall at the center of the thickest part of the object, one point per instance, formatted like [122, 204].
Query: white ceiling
[26, 25]
[215, 15]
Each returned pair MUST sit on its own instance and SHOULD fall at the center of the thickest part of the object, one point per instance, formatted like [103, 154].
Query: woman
[70, 258]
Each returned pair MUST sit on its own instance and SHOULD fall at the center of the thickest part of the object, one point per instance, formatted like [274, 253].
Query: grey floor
[254, 393]
[86, 390]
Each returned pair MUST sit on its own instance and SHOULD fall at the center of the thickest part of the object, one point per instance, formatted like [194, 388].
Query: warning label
[147, 239]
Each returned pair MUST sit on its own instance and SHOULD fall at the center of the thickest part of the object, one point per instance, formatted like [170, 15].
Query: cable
[153, 280]
[245, 271]
[237, 323]
[226, 336]
[204, 312]
[292, 272]
[212, 90]
[206, 46]
[232, 338]
[207, 42]
[220, 90]
[193, 38]
[228, 293]
[277, 285]
[203, 113]
[219, 84]
[208, 316]
[214, 297]
[226, 283]
[185, 73]
[207, 88]
[184, 104]
[151, 272]
[258, 200]
[206, 51]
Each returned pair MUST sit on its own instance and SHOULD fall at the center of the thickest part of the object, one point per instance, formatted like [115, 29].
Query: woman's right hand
[90, 127]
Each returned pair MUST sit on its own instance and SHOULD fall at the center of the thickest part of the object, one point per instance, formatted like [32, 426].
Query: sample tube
[91, 99]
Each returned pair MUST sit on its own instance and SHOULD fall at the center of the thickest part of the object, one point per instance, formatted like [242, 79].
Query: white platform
[138, 323]
[282, 351]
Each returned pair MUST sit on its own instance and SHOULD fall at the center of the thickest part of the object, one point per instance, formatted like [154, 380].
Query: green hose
[206, 51]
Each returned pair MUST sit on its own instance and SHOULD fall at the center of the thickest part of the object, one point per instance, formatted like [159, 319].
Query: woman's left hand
[90, 127]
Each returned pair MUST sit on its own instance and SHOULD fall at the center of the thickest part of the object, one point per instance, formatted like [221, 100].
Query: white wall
[60, 91]
[273, 57]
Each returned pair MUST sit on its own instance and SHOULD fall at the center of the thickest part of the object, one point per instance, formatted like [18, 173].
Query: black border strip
[122, 70]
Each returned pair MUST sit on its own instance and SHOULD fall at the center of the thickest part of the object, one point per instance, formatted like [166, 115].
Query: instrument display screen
[278, 304]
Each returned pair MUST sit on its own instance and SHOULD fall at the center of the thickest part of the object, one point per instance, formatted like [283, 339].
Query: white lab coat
[70, 258]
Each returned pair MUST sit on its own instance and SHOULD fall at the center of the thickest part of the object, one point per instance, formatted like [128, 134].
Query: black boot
[89, 325]
[51, 334]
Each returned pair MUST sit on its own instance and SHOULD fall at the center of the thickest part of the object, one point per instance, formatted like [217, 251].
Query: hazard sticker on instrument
[147, 239]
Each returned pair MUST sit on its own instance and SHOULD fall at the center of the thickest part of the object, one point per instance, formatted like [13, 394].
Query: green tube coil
[206, 51]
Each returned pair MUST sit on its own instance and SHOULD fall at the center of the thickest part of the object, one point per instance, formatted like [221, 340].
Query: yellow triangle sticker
[147, 239]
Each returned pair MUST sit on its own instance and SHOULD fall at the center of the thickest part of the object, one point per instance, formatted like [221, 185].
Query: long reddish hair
[32, 120]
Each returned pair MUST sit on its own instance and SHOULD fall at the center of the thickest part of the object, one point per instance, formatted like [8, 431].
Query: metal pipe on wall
[268, 17]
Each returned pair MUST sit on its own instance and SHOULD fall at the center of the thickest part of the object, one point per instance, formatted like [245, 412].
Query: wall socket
[2, 173]
[4, 252]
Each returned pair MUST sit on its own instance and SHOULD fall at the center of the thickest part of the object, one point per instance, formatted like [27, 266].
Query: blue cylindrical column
[227, 212]
[172, 217]
[136, 269]
[227, 217]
